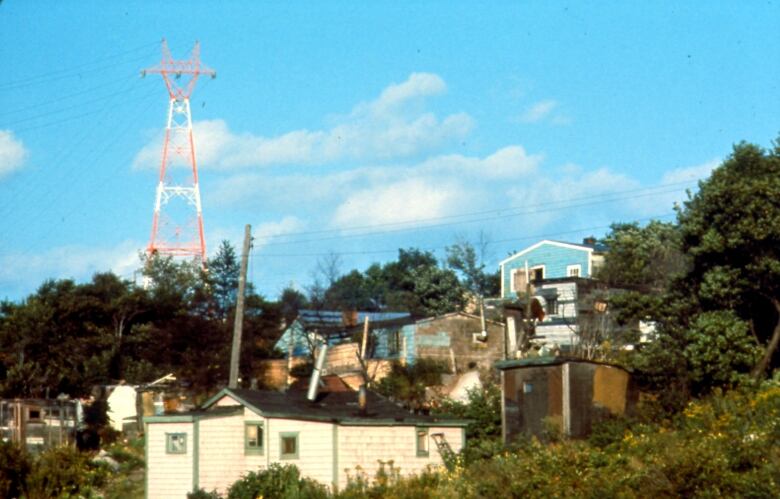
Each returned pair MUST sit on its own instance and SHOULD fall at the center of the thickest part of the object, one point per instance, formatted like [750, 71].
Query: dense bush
[283, 482]
[65, 472]
[14, 467]
[407, 383]
[727, 445]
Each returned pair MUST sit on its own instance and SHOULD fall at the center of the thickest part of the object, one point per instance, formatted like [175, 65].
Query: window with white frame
[574, 270]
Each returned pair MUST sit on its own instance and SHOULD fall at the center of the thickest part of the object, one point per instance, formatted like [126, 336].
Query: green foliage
[202, 494]
[720, 350]
[65, 472]
[15, 466]
[222, 276]
[483, 409]
[127, 481]
[414, 283]
[725, 446]
[283, 482]
[731, 230]
[645, 258]
[407, 383]
[462, 257]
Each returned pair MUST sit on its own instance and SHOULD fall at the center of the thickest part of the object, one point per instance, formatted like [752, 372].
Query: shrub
[283, 482]
[14, 467]
[64, 472]
[202, 494]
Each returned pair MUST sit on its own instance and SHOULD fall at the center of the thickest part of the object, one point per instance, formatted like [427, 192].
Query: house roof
[330, 383]
[455, 314]
[574, 246]
[326, 321]
[335, 406]
[547, 361]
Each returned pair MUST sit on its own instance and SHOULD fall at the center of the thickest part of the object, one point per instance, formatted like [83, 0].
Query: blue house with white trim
[548, 260]
[560, 275]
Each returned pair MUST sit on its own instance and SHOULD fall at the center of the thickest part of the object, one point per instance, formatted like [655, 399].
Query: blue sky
[359, 128]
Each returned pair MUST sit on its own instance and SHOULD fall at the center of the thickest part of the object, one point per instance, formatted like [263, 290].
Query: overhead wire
[62, 175]
[74, 71]
[513, 212]
[286, 278]
[435, 248]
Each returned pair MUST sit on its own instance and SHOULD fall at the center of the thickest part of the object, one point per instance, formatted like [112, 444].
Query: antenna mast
[175, 231]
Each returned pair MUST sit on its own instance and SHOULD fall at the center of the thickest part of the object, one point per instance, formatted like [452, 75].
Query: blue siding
[554, 258]
[408, 332]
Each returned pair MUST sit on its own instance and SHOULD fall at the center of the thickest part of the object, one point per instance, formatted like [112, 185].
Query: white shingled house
[241, 430]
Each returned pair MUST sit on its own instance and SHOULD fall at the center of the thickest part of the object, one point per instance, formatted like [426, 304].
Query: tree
[291, 301]
[642, 258]
[349, 292]
[639, 267]
[464, 258]
[731, 230]
[223, 272]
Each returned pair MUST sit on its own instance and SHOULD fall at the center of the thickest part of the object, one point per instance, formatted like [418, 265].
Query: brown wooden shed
[569, 394]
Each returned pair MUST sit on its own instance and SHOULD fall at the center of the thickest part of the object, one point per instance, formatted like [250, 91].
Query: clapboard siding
[222, 459]
[555, 257]
[168, 475]
[366, 446]
[315, 446]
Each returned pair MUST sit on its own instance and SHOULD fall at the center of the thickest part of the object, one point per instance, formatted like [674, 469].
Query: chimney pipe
[315, 374]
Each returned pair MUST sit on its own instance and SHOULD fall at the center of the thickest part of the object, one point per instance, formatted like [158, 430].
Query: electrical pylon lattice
[177, 224]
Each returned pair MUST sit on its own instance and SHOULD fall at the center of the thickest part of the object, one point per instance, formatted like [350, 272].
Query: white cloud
[261, 232]
[398, 202]
[418, 85]
[286, 225]
[538, 111]
[70, 262]
[387, 128]
[12, 153]
[690, 173]
[288, 191]
[508, 162]
[572, 195]
[544, 110]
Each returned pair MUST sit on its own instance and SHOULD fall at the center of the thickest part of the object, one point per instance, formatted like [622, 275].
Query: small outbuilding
[565, 394]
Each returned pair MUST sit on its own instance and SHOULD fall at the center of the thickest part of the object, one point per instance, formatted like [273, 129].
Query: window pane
[422, 442]
[289, 445]
[251, 436]
[176, 443]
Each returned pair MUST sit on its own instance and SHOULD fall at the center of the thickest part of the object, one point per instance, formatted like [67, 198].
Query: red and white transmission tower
[175, 231]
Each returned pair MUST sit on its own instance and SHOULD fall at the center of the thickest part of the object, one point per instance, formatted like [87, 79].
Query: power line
[513, 212]
[74, 71]
[80, 105]
[664, 188]
[259, 253]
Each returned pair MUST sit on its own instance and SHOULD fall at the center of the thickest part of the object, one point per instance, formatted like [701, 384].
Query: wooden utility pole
[235, 353]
